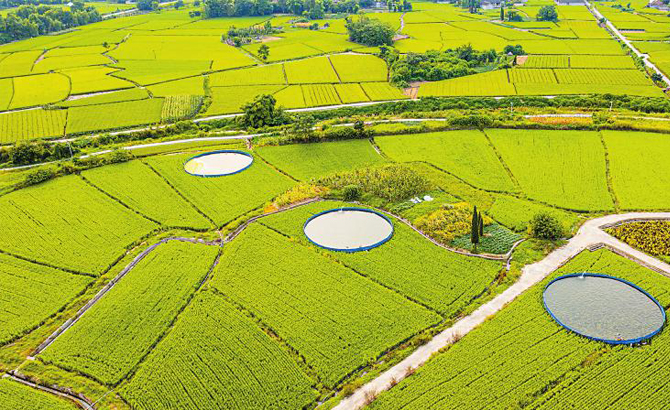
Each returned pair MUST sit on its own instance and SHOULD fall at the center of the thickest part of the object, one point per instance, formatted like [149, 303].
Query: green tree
[261, 112]
[370, 32]
[514, 16]
[144, 5]
[303, 126]
[502, 12]
[264, 52]
[474, 231]
[547, 13]
[545, 226]
[481, 225]
[317, 12]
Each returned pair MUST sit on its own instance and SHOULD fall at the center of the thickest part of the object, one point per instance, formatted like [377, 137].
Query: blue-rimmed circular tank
[603, 308]
[348, 229]
[218, 163]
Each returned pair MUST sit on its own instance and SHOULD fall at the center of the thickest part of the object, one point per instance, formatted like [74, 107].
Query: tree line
[31, 21]
[313, 9]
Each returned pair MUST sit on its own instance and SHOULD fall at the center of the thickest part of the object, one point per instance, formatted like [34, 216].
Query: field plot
[595, 76]
[353, 68]
[547, 61]
[466, 154]
[6, 93]
[188, 86]
[121, 328]
[624, 62]
[14, 395]
[311, 70]
[116, 115]
[234, 194]
[182, 48]
[290, 97]
[218, 357]
[409, 264]
[136, 185]
[585, 89]
[132, 94]
[316, 95]
[150, 71]
[93, 79]
[351, 93]
[344, 319]
[382, 92]
[19, 63]
[228, 100]
[303, 43]
[180, 107]
[494, 83]
[306, 161]
[272, 74]
[572, 47]
[563, 168]
[36, 90]
[68, 224]
[640, 168]
[25, 125]
[32, 293]
[521, 357]
[516, 213]
[58, 63]
[537, 76]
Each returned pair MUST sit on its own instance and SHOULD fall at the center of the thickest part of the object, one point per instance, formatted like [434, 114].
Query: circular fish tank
[603, 308]
[218, 163]
[348, 229]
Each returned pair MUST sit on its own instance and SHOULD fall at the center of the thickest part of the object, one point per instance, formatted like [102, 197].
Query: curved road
[590, 236]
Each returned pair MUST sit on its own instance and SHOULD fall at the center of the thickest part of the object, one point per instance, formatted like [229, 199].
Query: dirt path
[590, 236]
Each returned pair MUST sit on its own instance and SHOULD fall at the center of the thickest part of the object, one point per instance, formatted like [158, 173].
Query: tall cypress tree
[481, 225]
[474, 232]
[502, 12]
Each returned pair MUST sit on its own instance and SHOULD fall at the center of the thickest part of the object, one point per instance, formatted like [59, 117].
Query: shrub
[547, 13]
[351, 193]
[545, 226]
[391, 182]
[38, 176]
[474, 121]
[370, 32]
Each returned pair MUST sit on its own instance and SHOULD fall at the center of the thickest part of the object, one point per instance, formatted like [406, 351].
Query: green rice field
[174, 53]
[365, 243]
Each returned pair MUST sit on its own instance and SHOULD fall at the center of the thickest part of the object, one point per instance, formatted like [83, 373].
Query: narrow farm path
[590, 236]
[220, 242]
[70, 322]
[79, 401]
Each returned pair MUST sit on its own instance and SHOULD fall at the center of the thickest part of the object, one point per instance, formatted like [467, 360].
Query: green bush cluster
[545, 226]
[391, 182]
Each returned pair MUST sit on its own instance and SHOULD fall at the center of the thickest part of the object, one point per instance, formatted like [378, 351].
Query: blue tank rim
[221, 151]
[608, 341]
[350, 208]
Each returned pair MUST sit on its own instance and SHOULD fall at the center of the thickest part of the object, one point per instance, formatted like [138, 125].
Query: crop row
[110, 338]
[216, 357]
[68, 224]
[31, 293]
